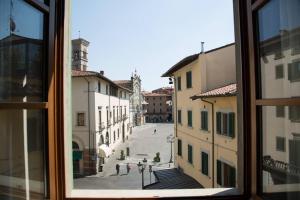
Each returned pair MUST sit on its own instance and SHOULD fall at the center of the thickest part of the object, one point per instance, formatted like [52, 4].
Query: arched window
[75, 146]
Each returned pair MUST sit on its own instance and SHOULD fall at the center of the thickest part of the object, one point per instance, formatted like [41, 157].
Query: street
[143, 143]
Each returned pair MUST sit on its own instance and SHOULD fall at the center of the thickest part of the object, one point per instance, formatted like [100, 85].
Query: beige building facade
[205, 111]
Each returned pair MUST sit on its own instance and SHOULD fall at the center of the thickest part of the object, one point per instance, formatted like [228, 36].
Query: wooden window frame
[246, 81]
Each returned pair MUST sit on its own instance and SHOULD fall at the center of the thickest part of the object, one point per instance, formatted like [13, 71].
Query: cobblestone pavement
[143, 143]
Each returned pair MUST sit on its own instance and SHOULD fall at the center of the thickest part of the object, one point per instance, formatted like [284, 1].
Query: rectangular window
[280, 111]
[99, 87]
[204, 163]
[179, 116]
[294, 113]
[226, 124]
[179, 147]
[226, 174]
[179, 83]
[189, 79]
[106, 89]
[80, 119]
[279, 72]
[294, 71]
[280, 144]
[190, 154]
[190, 118]
[204, 120]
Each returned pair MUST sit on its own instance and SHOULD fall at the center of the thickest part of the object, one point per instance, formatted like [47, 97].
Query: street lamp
[142, 168]
[171, 139]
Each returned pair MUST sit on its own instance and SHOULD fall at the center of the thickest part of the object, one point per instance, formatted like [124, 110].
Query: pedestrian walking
[118, 168]
[128, 168]
[154, 131]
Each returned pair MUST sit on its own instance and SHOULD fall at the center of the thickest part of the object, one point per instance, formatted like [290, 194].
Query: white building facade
[100, 120]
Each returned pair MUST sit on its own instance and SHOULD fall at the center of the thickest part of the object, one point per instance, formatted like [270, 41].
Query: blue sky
[149, 35]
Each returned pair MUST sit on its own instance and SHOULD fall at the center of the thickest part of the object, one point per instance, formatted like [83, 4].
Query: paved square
[143, 143]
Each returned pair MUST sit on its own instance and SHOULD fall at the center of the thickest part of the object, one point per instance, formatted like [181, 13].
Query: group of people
[118, 168]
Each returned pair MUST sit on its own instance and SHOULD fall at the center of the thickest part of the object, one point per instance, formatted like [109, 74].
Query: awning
[104, 151]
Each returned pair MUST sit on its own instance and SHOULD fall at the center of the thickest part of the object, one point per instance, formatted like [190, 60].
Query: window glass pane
[281, 150]
[279, 45]
[22, 52]
[22, 154]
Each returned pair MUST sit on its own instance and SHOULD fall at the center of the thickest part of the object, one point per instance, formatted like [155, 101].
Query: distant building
[158, 107]
[79, 54]
[136, 113]
[100, 118]
[206, 111]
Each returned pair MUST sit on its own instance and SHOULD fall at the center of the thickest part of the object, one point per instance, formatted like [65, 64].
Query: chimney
[102, 72]
[202, 47]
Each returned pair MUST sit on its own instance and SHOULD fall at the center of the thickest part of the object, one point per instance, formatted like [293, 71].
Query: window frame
[244, 55]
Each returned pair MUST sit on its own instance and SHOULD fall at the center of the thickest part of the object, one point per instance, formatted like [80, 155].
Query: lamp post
[171, 139]
[142, 168]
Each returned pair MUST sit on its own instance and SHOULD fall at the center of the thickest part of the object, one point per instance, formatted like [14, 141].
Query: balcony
[101, 127]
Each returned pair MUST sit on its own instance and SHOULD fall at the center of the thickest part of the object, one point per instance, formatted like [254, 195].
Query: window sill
[190, 127]
[205, 131]
[152, 193]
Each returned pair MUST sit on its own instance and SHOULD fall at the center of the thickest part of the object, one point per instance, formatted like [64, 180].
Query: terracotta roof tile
[229, 90]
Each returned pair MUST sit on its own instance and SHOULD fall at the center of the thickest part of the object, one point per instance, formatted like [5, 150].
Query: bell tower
[79, 54]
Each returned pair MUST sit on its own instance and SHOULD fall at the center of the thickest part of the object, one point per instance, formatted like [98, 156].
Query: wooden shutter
[204, 163]
[179, 151]
[219, 172]
[231, 127]
[190, 154]
[219, 114]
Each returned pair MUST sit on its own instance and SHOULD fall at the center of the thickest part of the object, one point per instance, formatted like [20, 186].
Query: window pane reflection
[22, 154]
[22, 52]
[281, 148]
[279, 46]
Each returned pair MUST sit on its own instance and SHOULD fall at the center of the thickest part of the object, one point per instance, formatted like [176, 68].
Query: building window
[179, 149]
[226, 124]
[179, 116]
[114, 136]
[280, 144]
[190, 154]
[80, 119]
[189, 79]
[190, 118]
[99, 87]
[225, 174]
[204, 163]
[294, 113]
[160, 110]
[179, 83]
[204, 120]
[294, 71]
[280, 111]
[106, 89]
[279, 72]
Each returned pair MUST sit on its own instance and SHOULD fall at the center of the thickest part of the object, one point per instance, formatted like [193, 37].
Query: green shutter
[202, 120]
[219, 114]
[204, 163]
[219, 172]
[190, 118]
[231, 125]
[190, 154]
[231, 177]
[206, 120]
[179, 151]
[179, 116]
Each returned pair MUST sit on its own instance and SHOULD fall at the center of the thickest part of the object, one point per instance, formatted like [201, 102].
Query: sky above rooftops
[149, 36]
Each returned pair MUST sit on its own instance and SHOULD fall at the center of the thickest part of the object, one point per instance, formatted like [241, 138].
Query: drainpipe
[213, 140]
[89, 121]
